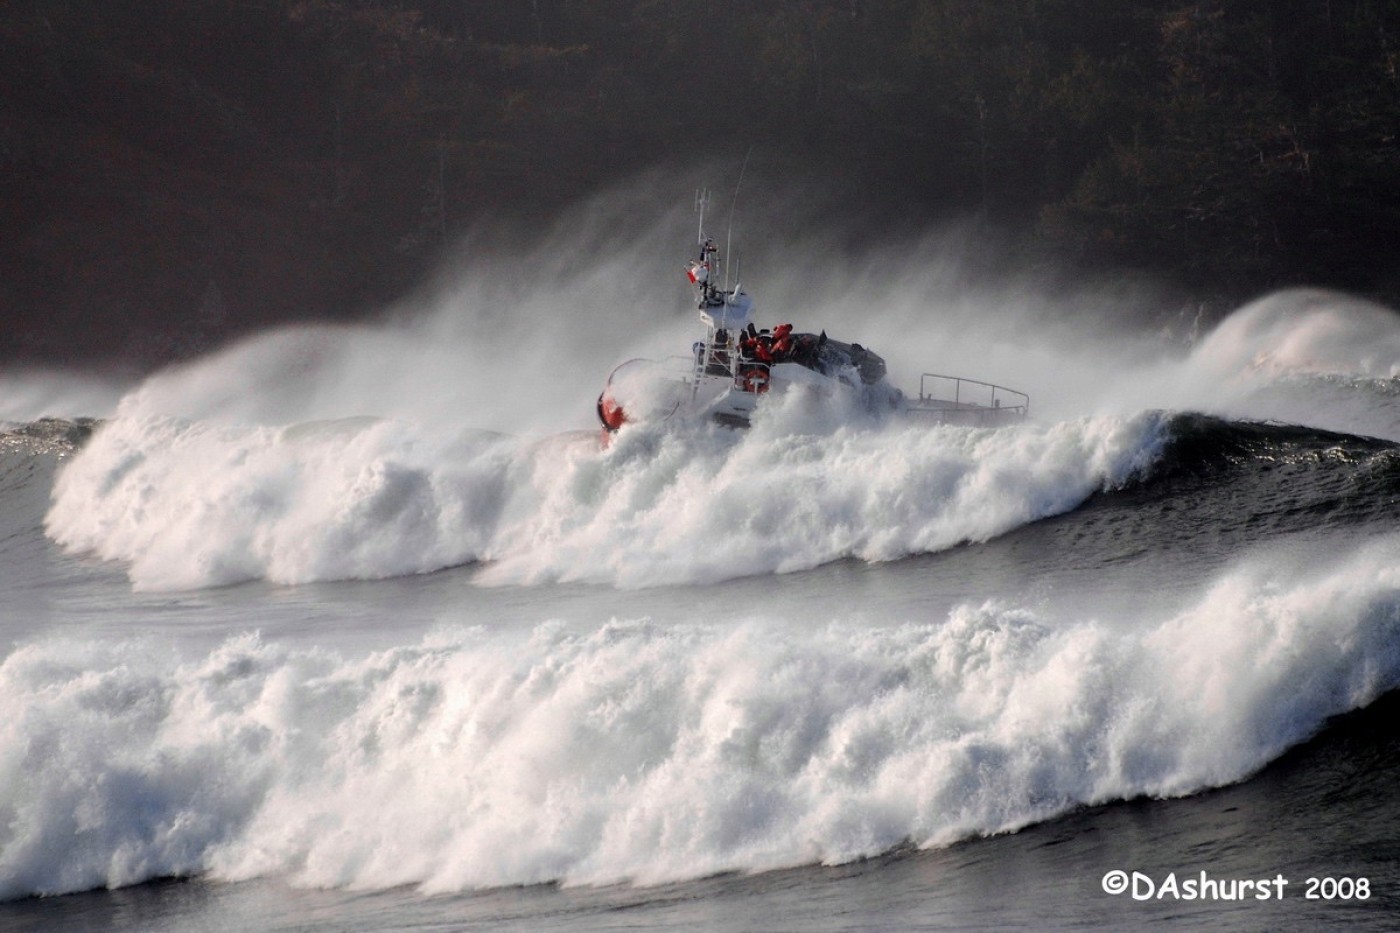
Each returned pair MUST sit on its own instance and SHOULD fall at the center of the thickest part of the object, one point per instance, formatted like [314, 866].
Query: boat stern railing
[940, 393]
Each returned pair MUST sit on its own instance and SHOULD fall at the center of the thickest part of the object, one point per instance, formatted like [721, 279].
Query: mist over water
[519, 331]
[28, 395]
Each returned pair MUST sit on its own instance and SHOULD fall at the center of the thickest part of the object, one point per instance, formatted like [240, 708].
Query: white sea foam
[199, 504]
[647, 751]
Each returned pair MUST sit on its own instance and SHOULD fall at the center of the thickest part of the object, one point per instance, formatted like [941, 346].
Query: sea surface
[328, 631]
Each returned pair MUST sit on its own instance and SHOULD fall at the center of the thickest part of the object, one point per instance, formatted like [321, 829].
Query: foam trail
[643, 752]
[199, 504]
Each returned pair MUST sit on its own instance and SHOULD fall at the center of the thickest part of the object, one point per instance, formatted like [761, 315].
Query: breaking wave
[194, 504]
[645, 752]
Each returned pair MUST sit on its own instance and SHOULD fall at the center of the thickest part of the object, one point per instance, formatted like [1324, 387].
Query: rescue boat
[736, 365]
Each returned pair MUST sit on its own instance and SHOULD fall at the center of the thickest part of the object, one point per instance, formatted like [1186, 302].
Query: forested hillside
[176, 171]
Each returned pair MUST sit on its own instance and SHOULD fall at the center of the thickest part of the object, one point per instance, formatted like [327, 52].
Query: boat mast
[704, 269]
[723, 311]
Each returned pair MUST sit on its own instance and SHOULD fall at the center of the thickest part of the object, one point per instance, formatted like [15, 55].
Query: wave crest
[645, 752]
[197, 504]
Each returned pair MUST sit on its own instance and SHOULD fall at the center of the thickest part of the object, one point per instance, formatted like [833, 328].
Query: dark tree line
[175, 171]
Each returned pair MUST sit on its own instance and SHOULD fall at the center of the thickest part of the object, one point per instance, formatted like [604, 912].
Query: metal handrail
[996, 396]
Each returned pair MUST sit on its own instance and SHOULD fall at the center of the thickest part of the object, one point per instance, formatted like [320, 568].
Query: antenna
[729, 234]
[702, 201]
